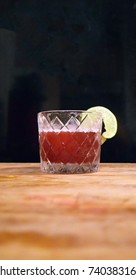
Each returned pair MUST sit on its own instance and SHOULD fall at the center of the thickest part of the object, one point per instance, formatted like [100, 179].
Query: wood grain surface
[89, 216]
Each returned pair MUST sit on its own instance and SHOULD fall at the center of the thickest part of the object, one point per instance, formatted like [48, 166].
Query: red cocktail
[70, 142]
[70, 147]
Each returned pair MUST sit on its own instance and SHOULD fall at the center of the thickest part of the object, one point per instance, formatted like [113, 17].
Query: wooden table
[90, 216]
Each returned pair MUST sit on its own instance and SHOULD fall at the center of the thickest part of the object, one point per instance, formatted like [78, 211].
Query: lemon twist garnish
[109, 120]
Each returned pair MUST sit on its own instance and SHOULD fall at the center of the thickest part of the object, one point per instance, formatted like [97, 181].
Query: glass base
[69, 168]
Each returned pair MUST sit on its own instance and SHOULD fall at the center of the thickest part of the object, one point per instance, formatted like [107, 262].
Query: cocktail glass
[69, 141]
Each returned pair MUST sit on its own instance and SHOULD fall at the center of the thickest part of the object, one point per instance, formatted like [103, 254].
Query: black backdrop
[66, 55]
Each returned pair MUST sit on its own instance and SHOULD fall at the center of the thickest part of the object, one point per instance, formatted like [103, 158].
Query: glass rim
[68, 111]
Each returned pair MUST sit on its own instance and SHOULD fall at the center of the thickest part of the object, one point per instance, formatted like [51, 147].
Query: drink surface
[70, 147]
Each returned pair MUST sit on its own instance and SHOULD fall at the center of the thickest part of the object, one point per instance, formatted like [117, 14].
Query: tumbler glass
[69, 141]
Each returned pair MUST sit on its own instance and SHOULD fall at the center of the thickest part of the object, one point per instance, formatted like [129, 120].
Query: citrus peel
[109, 121]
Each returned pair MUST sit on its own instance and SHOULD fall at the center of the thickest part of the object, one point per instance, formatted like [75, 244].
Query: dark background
[66, 55]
